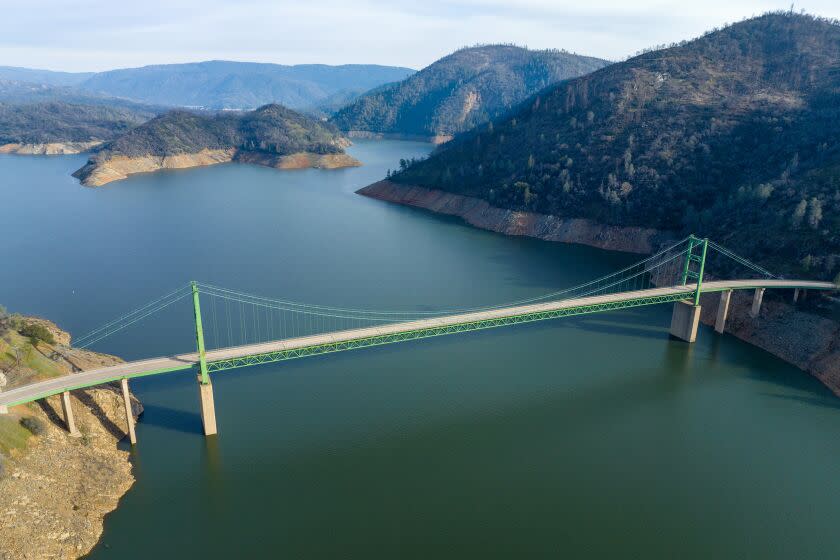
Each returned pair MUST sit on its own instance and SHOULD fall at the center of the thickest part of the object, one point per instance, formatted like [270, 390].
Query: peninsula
[272, 135]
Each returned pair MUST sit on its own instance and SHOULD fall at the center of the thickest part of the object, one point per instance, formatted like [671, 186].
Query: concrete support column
[129, 415]
[685, 320]
[69, 420]
[723, 311]
[795, 295]
[208, 407]
[756, 304]
[4, 409]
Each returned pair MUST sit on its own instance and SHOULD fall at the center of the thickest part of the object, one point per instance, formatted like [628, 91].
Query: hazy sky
[102, 34]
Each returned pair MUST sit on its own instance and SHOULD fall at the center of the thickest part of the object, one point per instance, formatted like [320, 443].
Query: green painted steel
[700, 272]
[379, 340]
[687, 263]
[282, 355]
[199, 336]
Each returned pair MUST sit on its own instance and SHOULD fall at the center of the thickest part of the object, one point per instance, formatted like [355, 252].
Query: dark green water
[595, 437]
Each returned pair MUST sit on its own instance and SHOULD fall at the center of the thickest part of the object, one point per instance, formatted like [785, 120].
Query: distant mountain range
[466, 88]
[44, 77]
[733, 135]
[215, 84]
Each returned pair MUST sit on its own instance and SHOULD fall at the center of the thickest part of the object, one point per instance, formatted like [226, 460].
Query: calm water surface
[583, 438]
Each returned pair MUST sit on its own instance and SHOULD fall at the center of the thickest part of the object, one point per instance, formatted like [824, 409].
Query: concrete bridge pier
[685, 320]
[69, 420]
[723, 311]
[208, 407]
[756, 304]
[129, 416]
[4, 409]
[795, 295]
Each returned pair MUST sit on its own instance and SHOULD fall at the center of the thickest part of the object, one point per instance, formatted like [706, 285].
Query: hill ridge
[733, 134]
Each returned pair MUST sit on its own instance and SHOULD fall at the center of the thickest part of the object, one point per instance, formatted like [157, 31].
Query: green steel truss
[354, 344]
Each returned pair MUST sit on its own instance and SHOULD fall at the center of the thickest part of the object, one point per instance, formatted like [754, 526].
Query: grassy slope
[34, 366]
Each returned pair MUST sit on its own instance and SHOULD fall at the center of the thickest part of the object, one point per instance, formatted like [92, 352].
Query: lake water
[588, 437]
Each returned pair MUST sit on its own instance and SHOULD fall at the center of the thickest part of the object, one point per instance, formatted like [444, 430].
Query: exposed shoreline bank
[49, 149]
[805, 340]
[97, 172]
[366, 134]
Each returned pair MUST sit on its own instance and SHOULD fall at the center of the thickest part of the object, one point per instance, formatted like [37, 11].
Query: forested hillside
[272, 136]
[64, 122]
[734, 135]
[461, 90]
[272, 128]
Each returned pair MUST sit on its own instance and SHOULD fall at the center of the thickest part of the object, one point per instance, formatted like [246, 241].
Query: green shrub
[37, 332]
[5, 321]
[34, 425]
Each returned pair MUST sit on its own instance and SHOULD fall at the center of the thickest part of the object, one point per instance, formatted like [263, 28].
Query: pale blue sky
[102, 34]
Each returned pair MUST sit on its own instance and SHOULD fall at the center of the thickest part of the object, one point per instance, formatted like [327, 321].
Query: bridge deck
[181, 362]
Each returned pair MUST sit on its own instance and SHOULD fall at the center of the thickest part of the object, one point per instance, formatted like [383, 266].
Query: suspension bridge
[245, 329]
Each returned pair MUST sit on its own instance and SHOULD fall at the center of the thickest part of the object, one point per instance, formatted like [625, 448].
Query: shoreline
[808, 341]
[57, 488]
[436, 139]
[49, 148]
[96, 173]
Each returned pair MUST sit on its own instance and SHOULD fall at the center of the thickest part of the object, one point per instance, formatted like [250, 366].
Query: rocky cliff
[56, 489]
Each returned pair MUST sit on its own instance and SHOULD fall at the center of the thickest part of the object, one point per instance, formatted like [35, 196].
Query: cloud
[99, 34]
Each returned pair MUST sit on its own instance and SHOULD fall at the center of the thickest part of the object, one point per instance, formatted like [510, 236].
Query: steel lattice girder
[353, 344]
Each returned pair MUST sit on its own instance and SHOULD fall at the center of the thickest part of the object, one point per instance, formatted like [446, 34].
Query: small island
[272, 135]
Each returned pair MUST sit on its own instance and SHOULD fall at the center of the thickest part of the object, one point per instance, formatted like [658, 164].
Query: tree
[37, 332]
[799, 213]
[815, 213]
[5, 320]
